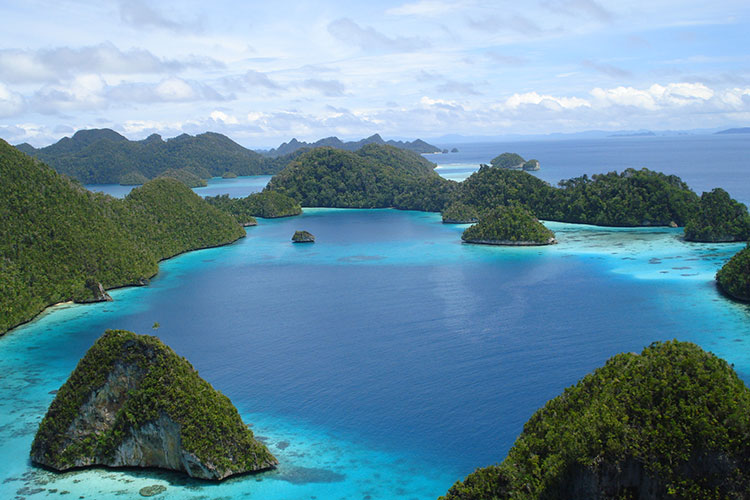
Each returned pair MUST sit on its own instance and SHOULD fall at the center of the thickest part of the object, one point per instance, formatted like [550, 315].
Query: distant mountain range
[742, 130]
[102, 156]
[416, 146]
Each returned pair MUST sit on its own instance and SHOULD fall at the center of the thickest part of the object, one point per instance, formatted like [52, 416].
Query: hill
[102, 156]
[133, 402]
[375, 176]
[509, 226]
[670, 422]
[416, 146]
[741, 130]
[734, 277]
[60, 242]
[719, 218]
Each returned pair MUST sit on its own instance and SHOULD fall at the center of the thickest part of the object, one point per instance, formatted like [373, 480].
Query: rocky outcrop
[98, 294]
[132, 402]
[303, 237]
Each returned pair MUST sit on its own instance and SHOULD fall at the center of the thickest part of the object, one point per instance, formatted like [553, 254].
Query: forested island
[719, 218]
[60, 242]
[514, 161]
[375, 176]
[509, 226]
[266, 204]
[133, 402]
[670, 422]
[416, 146]
[734, 276]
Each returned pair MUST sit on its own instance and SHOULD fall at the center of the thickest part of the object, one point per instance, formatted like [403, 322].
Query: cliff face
[133, 402]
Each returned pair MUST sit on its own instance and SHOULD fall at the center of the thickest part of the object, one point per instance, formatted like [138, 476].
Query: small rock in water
[154, 489]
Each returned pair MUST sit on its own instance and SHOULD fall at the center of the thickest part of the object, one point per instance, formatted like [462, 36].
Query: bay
[388, 359]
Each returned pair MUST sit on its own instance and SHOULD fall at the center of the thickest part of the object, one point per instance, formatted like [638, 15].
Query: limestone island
[514, 161]
[718, 218]
[509, 226]
[670, 422]
[133, 402]
[303, 237]
[734, 276]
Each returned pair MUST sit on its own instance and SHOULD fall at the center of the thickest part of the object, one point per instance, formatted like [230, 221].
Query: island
[266, 204]
[719, 218]
[62, 243]
[734, 277]
[185, 176]
[228, 175]
[509, 226]
[133, 402]
[303, 237]
[670, 422]
[514, 161]
[374, 176]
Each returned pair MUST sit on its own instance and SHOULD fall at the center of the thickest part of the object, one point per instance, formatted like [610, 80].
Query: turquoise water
[385, 361]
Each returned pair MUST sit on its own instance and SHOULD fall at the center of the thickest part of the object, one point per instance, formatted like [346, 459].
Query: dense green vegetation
[133, 179]
[632, 198]
[719, 218]
[673, 420]
[184, 176]
[55, 236]
[102, 156]
[460, 213]
[375, 176]
[509, 226]
[416, 146]
[160, 383]
[734, 276]
[228, 175]
[267, 204]
[507, 160]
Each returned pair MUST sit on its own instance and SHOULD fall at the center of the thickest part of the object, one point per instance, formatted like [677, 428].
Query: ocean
[388, 359]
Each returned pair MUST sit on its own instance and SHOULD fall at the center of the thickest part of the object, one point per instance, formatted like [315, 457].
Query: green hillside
[58, 241]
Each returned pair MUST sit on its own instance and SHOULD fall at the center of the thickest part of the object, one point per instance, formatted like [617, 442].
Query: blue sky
[264, 72]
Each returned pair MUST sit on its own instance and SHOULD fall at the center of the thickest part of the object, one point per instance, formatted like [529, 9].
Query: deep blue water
[703, 161]
[388, 359]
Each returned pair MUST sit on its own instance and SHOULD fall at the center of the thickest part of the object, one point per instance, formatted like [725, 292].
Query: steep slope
[672, 422]
[131, 401]
[60, 242]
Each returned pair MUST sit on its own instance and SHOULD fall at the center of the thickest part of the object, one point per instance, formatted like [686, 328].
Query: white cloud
[220, 116]
[427, 8]
[369, 39]
[548, 101]
[11, 103]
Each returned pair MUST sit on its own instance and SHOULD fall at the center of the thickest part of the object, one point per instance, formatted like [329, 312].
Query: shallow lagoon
[386, 360]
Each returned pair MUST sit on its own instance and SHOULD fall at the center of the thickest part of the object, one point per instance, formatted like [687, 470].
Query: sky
[263, 72]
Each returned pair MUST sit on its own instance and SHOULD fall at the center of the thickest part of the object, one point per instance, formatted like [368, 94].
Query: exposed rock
[249, 223]
[303, 237]
[154, 489]
[132, 402]
[98, 294]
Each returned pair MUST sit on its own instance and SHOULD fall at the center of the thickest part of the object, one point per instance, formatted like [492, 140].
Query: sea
[388, 360]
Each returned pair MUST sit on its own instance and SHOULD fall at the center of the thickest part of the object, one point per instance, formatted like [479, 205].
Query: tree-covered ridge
[159, 383]
[718, 218]
[672, 422]
[734, 276]
[376, 176]
[460, 213]
[55, 236]
[267, 204]
[631, 198]
[509, 226]
[416, 146]
[105, 157]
